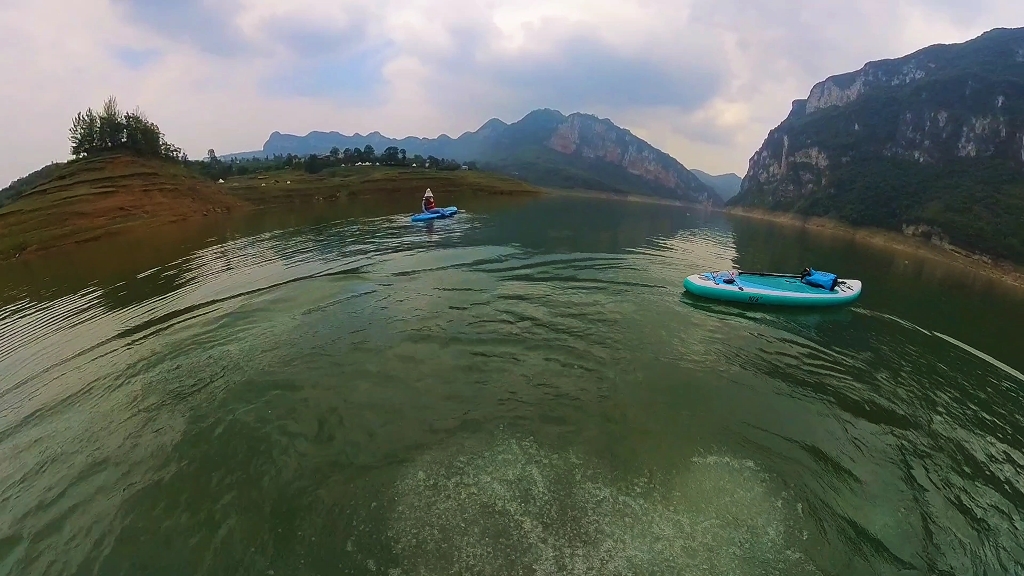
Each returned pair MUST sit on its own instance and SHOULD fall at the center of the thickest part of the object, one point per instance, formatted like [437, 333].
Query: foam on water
[512, 507]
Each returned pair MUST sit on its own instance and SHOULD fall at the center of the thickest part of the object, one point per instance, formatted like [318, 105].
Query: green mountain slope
[931, 143]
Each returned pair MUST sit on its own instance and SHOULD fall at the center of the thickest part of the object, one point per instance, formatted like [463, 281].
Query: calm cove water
[524, 389]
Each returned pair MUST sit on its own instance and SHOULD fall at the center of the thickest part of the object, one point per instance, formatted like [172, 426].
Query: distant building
[464, 167]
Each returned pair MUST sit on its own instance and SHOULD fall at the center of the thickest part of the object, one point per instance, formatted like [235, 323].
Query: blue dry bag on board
[818, 279]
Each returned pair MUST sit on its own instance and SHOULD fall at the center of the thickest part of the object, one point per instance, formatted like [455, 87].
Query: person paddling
[428, 202]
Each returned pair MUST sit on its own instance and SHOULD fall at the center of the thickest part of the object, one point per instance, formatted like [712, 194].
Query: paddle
[772, 274]
[775, 275]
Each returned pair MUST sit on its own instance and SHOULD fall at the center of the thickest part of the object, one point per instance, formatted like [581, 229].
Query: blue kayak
[435, 214]
[773, 289]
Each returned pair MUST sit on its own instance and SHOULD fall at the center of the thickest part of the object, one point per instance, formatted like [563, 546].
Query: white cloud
[702, 79]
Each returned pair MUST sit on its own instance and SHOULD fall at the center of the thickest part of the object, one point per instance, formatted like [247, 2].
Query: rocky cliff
[931, 143]
[545, 148]
[600, 140]
[465, 147]
[548, 148]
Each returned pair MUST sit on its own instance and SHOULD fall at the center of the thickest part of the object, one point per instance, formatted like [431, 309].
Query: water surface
[524, 389]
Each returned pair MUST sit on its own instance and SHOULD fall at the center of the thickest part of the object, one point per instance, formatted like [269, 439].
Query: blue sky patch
[135, 58]
[356, 77]
[210, 27]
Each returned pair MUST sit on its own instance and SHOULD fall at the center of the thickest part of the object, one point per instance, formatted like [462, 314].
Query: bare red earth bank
[97, 197]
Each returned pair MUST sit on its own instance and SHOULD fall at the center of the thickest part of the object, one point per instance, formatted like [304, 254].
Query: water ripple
[498, 392]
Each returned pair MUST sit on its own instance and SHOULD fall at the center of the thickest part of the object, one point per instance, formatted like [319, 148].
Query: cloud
[356, 78]
[204, 24]
[487, 68]
[340, 61]
[578, 72]
[306, 38]
[134, 58]
[702, 79]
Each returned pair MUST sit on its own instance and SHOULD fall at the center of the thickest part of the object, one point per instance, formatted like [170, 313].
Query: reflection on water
[522, 389]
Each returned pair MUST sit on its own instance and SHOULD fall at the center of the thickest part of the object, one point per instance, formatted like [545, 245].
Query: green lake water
[523, 389]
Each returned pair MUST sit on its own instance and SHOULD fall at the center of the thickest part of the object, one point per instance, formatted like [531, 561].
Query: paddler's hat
[429, 194]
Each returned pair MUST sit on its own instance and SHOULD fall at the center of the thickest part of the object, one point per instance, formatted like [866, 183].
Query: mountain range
[931, 144]
[545, 148]
[727, 185]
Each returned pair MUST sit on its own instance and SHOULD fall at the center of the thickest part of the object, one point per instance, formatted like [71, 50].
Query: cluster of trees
[214, 168]
[391, 156]
[111, 130]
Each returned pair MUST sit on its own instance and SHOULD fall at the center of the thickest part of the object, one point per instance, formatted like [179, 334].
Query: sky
[704, 80]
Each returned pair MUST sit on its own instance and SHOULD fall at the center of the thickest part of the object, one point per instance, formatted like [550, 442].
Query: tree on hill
[391, 156]
[335, 152]
[111, 124]
[111, 130]
[312, 164]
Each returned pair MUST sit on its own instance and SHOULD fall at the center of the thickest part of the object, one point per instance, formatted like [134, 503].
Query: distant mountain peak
[543, 114]
[494, 123]
[727, 185]
[545, 147]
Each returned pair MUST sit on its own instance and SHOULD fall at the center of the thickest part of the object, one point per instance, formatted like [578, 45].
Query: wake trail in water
[512, 507]
[908, 396]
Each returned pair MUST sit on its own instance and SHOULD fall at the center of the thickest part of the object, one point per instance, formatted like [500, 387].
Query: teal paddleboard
[773, 290]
